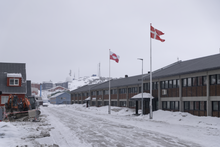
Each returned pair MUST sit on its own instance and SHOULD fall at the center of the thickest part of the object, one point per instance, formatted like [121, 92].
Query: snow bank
[8, 134]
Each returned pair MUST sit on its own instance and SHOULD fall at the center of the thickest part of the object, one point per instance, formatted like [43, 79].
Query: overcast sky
[55, 36]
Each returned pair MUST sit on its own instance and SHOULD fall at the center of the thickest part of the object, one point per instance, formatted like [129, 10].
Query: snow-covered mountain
[85, 81]
[76, 83]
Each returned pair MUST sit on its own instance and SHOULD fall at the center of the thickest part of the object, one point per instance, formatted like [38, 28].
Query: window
[170, 84]
[4, 99]
[129, 90]
[194, 81]
[204, 80]
[135, 90]
[106, 92]
[168, 105]
[186, 105]
[106, 103]
[178, 83]
[154, 85]
[184, 82]
[174, 84]
[172, 105]
[13, 82]
[176, 105]
[166, 84]
[189, 82]
[162, 84]
[132, 104]
[164, 104]
[213, 79]
[218, 79]
[113, 103]
[215, 106]
[122, 103]
[93, 93]
[114, 91]
[146, 86]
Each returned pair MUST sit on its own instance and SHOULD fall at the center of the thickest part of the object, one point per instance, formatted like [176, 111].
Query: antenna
[99, 70]
[177, 58]
[78, 73]
[70, 72]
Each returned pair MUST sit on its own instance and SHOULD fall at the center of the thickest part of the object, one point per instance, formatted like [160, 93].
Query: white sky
[53, 37]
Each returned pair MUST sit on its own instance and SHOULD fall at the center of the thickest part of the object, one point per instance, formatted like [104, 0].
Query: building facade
[12, 81]
[47, 85]
[191, 86]
[62, 84]
[61, 98]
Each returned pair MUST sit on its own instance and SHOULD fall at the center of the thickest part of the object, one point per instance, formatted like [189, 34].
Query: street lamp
[142, 88]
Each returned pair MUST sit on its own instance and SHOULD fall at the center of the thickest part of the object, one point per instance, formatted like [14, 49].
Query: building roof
[190, 66]
[7, 68]
[178, 68]
[59, 94]
[114, 83]
[84, 88]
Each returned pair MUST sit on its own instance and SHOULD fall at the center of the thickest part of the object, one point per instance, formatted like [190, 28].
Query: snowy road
[75, 127]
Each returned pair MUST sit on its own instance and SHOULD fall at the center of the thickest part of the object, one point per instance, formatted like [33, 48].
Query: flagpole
[151, 114]
[109, 91]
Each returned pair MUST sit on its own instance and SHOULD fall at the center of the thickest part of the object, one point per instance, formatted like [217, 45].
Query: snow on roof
[87, 99]
[145, 96]
[56, 94]
[14, 75]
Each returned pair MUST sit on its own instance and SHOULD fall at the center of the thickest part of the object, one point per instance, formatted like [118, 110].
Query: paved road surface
[78, 128]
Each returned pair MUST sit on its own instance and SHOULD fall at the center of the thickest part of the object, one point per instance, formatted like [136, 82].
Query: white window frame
[14, 83]
[4, 99]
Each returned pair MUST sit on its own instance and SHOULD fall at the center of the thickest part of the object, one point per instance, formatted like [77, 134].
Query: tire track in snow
[97, 131]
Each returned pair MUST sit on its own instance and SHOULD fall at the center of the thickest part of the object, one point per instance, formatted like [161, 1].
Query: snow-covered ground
[78, 126]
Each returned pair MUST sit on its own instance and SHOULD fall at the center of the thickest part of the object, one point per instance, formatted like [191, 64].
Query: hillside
[85, 80]
[76, 83]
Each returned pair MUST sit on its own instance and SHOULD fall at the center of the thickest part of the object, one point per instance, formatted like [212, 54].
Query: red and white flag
[113, 56]
[155, 34]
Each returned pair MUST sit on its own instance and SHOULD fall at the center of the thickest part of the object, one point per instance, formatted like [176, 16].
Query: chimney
[126, 76]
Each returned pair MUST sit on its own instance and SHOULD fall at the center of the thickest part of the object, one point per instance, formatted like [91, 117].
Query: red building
[12, 81]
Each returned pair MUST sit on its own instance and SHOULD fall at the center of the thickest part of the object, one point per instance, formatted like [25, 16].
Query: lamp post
[142, 88]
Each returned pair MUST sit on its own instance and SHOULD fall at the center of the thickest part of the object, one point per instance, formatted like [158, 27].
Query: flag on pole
[155, 34]
[113, 56]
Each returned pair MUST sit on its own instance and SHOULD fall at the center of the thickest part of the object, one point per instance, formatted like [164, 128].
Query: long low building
[188, 86]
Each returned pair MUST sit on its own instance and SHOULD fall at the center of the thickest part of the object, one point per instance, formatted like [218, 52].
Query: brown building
[191, 86]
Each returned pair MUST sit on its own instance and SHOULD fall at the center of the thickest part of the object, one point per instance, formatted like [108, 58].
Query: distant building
[36, 85]
[34, 91]
[61, 98]
[58, 88]
[47, 85]
[62, 84]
